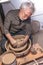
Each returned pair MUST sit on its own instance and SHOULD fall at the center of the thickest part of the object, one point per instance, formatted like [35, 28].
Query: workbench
[29, 57]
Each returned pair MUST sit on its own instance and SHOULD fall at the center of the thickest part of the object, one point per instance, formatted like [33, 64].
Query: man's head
[27, 8]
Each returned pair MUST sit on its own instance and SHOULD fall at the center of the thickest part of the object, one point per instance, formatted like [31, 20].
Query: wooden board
[30, 56]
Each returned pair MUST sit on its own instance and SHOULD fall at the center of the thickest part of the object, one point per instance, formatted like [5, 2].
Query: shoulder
[12, 12]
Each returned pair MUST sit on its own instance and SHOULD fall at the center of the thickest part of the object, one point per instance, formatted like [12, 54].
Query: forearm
[10, 38]
[26, 38]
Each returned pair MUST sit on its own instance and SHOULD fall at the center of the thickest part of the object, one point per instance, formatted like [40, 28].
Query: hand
[20, 43]
[24, 41]
[13, 43]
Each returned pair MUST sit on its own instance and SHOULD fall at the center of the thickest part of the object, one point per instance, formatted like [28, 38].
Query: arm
[26, 39]
[28, 32]
[6, 29]
[10, 38]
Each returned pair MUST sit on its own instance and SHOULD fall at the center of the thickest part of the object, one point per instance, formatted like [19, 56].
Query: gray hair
[28, 4]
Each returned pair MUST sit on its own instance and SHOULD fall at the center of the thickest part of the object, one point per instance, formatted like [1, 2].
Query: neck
[21, 15]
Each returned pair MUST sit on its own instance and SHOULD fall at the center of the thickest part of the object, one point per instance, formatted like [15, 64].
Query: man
[19, 22]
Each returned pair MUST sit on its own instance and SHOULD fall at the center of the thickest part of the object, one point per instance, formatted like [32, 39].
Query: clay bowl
[19, 52]
[9, 47]
[19, 47]
[9, 58]
[19, 38]
[24, 52]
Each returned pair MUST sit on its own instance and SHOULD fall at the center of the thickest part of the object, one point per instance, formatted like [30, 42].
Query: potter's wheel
[22, 50]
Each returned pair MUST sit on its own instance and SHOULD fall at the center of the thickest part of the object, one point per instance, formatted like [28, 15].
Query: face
[27, 12]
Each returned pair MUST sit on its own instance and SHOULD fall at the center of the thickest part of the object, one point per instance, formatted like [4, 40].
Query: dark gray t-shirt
[13, 23]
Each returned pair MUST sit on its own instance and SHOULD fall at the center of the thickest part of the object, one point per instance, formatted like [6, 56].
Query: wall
[3, 1]
[7, 6]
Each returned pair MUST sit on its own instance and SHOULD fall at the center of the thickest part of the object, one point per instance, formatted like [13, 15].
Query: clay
[26, 51]
[19, 38]
[18, 49]
[9, 47]
[33, 51]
